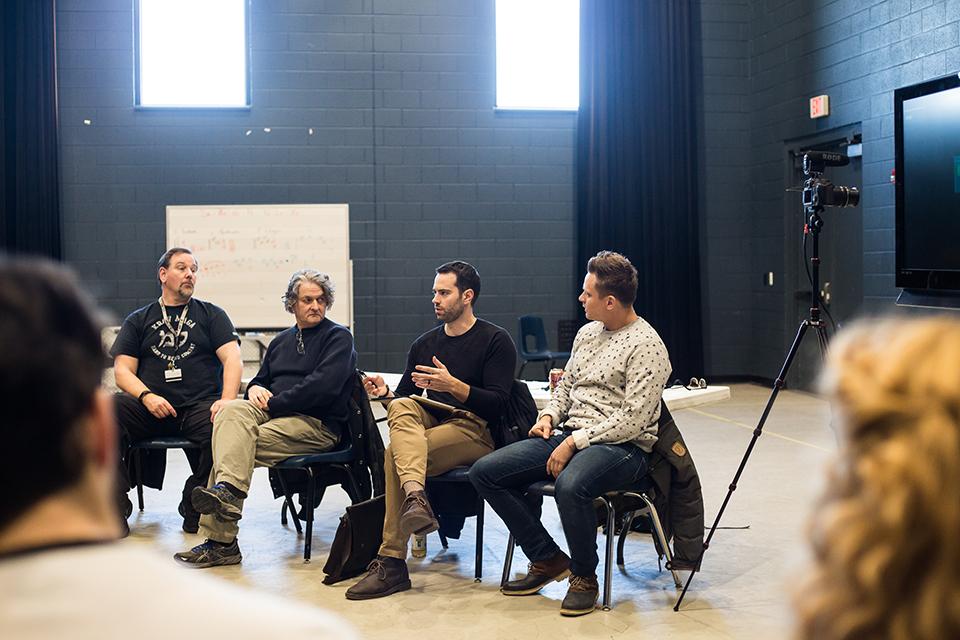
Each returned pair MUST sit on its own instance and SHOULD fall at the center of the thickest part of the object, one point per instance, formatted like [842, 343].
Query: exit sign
[820, 106]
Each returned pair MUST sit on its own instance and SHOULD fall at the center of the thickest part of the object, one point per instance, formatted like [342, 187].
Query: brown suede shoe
[416, 515]
[385, 575]
[539, 574]
[581, 597]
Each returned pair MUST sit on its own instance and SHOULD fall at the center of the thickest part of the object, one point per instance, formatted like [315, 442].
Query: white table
[676, 397]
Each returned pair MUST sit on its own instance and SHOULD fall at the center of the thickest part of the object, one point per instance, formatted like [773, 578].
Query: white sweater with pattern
[612, 386]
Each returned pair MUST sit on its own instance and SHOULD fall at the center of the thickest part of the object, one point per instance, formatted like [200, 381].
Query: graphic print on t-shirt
[169, 348]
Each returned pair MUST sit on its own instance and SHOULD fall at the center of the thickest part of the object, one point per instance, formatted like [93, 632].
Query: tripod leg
[777, 385]
[823, 340]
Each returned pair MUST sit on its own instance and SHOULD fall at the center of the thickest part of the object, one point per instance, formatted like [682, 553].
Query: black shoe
[210, 554]
[581, 597]
[539, 574]
[385, 575]
[124, 508]
[191, 519]
[218, 501]
[416, 515]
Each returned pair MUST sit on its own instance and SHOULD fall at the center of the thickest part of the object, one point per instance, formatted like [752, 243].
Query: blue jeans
[502, 476]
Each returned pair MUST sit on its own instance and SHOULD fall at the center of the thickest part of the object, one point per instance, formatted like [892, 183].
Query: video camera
[818, 192]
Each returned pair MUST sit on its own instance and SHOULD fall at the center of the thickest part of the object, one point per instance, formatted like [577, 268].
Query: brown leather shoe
[539, 574]
[385, 575]
[416, 515]
[581, 597]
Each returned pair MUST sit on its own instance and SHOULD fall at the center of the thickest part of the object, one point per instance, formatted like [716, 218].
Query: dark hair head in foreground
[51, 360]
[616, 276]
[884, 535]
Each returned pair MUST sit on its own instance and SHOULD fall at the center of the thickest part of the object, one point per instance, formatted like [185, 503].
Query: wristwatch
[143, 394]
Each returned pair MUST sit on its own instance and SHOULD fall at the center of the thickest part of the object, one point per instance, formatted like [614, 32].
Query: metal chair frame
[547, 489]
[459, 475]
[160, 442]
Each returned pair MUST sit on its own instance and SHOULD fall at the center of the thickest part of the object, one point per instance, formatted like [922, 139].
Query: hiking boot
[385, 575]
[539, 574]
[416, 515]
[210, 554]
[218, 501]
[191, 519]
[581, 597]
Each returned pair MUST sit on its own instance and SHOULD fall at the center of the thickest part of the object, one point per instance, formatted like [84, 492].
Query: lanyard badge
[173, 373]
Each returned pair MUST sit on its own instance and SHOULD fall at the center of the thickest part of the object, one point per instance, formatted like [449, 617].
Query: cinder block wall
[762, 63]
[399, 95]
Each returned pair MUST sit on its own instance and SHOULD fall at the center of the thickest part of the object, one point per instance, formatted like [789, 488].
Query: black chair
[345, 465]
[642, 493]
[459, 476]
[531, 328]
[160, 442]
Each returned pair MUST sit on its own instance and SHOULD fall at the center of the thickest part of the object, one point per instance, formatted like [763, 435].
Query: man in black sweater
[466, 366]
[296, 404]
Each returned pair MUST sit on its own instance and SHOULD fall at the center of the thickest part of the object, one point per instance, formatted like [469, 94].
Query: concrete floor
[742, 591]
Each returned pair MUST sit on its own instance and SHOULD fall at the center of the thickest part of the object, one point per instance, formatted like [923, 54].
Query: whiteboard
[247, 254]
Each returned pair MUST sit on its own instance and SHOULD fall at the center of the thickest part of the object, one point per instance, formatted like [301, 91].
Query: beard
[452, 314]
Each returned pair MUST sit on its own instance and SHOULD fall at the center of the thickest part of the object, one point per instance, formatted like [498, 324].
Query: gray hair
[318, 278]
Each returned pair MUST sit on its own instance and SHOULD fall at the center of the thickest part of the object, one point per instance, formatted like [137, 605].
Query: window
[538, 54]
[192, 53]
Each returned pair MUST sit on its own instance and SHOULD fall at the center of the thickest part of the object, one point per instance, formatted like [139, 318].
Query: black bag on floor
[357, 540]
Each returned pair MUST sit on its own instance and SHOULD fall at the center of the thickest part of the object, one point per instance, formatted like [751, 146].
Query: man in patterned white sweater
[594, 436]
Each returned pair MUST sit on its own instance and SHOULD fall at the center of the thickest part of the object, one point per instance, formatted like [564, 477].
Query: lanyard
[166, 321]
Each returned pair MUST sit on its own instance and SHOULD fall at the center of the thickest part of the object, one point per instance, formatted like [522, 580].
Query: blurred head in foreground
[885, 535]
[57, 425]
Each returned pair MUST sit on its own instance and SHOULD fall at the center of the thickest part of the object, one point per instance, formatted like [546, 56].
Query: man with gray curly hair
[295, 405]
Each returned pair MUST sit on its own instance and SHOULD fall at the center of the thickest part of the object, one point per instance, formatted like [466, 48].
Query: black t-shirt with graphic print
[146, 337]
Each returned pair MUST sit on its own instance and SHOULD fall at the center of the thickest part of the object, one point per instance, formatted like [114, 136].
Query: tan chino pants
[423, 446]
[244, 437]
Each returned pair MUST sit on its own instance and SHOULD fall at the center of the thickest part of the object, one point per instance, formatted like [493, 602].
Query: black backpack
[519, 415]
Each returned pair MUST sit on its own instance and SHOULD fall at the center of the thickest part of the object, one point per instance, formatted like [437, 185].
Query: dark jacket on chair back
[678, 498]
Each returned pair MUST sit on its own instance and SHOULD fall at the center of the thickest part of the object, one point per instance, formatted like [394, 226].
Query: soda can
[556, 375]
[419, 545]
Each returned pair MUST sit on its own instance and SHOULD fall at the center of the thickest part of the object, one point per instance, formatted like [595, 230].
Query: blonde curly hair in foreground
[885, 535]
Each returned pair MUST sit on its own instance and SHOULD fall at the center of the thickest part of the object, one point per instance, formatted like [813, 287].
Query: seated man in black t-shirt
[466, 366]
[177, 361]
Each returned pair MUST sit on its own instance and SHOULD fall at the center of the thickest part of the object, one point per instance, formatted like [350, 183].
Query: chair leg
[352, 488]
[628, 520]
[288, 505]
[478, 559]
[507, 561]
[139, 475]
[608, 565]
[308, 538]
[661, 536]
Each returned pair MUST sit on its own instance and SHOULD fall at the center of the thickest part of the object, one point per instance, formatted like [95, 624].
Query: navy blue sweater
[316, 383]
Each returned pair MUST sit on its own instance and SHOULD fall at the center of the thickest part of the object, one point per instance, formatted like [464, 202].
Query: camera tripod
[813, 320]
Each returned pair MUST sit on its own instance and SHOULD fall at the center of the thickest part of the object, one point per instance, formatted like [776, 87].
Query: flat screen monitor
[927, 133]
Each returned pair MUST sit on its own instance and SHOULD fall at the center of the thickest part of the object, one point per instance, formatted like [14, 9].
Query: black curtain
[29, 190]
[637, 159]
